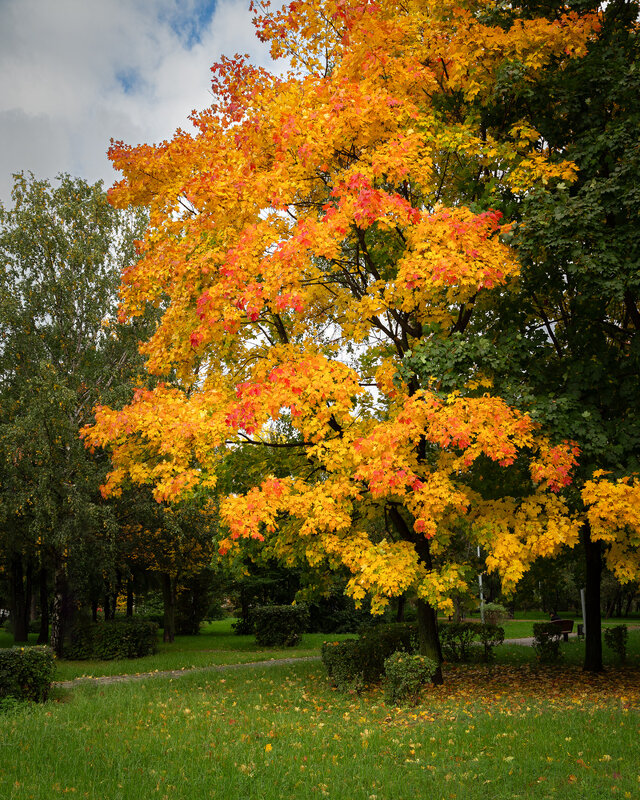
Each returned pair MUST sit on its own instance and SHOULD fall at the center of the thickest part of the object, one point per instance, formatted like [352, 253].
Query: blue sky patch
[130, 80]
[189, 26]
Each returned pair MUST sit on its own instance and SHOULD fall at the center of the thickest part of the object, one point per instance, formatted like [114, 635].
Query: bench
[565, 626]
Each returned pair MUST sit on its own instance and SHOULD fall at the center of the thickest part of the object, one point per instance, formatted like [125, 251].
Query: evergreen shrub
[361, 660]
[26, 673]
[123, 637]
[457, 638]
[546, 641]
[279, 626]
[616, 639]
[405, 675]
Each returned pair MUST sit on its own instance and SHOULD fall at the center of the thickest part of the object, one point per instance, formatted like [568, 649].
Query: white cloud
[76, 73]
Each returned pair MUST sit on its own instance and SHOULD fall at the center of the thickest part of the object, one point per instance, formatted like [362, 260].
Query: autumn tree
[564, 343]
[62, 248]
[306, 238]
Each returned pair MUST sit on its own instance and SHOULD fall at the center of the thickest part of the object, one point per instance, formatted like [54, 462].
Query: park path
[178, 673]
[525, 641]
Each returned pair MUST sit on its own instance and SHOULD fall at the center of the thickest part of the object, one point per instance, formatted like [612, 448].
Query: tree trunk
[62, 607]
[428, 639]
[19, 606]
[43, 636]
[169, 599]
[593, 638]
[402, 601]
[428, 636]
[129, 597]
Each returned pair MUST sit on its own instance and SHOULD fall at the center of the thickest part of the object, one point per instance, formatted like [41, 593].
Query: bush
[494, 613]
[125, 637]
[405, 675]
[546, 641]
[279, 626]
[490, 636]
[26, 672]
[244, 626]
[355, 662]
[456, 639]
[342, 661]
[336, 614]
[379, 642]
[616, 639]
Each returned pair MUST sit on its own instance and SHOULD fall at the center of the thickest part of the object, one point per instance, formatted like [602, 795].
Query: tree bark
[402, 601]
[43, 636]
[428, 639]
[169, 599]
[19, 603]
[62, 607]
[593, 638]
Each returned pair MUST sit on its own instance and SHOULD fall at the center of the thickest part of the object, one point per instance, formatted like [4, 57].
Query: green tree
[564, 344]
[62, 248]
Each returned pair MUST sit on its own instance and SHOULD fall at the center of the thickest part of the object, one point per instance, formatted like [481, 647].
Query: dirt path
[178, 673]
[525, 641]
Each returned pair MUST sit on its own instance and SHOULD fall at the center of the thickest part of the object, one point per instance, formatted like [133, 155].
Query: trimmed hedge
[127, 637]
[26, 672]
[354, 662]
[279, 626]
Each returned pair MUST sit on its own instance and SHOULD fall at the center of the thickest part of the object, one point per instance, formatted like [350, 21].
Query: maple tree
[564, 342]
[303, 242]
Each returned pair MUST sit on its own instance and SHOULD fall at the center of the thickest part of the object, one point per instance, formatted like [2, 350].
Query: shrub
[490, 636]
[244, 626]
[616, 639]
[405, 675]
[494, 613]
[455, 640]
[355, 662]
[546, 641]
[379, 642]
[26, 672]
[343, 663]
[125, 637]
[279, 626]
[336, 614]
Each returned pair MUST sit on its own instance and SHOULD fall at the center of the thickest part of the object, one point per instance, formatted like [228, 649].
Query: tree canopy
[314, 236]
[62, 248]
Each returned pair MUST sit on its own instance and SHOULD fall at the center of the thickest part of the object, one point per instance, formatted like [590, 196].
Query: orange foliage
[302, 238]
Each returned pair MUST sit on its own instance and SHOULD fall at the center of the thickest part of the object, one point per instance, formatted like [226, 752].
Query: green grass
[510, 730]
[216, 644]
[283, 732]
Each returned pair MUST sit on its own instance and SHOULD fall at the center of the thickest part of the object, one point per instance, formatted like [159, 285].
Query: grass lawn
[282, 732]
[511, 730]
[216, 644]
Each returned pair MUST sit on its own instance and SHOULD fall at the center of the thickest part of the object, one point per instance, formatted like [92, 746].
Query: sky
[76, 73]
